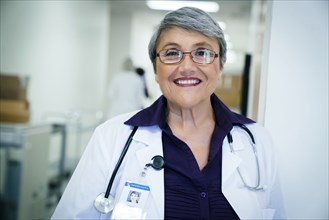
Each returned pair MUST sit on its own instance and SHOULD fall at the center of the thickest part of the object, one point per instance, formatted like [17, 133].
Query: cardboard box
[14, 107]
[15, 111]
[13, 87]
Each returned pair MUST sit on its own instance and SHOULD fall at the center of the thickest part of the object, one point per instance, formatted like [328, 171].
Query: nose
[187, 62]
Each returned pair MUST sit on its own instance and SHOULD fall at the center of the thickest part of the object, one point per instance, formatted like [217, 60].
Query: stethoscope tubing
[253, 144]
[117, 166]
[230, 140]
[104, 201]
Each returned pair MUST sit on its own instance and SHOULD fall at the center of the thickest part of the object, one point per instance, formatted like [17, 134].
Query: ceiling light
[207, 6]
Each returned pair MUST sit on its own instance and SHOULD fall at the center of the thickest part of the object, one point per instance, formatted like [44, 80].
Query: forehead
[185, 39]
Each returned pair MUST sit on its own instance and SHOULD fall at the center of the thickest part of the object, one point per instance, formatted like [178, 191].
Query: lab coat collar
[156, 114]
[151, 137]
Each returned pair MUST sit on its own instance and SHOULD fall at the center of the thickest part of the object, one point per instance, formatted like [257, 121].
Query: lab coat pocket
[268, 213]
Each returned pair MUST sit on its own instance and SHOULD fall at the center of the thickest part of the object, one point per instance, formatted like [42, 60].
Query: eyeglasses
[175, 56]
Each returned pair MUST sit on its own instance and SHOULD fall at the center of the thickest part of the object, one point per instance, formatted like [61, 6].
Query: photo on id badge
[132, 201]
[133, 197]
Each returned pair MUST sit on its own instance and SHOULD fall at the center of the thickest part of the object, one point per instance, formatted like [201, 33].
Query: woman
[188, 126]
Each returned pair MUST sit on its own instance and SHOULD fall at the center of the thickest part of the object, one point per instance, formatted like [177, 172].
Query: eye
[203, 53]
[172, 53]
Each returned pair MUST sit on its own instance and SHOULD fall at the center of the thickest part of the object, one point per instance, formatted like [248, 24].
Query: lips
[187, 81]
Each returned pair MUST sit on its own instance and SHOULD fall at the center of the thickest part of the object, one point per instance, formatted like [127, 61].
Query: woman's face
[187, 84]
[134, 197]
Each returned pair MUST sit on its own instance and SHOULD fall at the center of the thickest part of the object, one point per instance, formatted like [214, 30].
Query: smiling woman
[188, 125]
[187, 82]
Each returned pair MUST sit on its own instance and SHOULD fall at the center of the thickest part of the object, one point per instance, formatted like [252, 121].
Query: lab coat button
[203, 195]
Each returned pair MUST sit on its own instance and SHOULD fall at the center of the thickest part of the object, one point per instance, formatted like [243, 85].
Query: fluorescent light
[207, 6]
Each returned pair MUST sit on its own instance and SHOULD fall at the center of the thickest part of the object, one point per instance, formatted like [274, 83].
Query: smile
[187, 82]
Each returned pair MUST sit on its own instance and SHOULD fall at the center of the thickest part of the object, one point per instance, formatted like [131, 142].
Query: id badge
[132, 201]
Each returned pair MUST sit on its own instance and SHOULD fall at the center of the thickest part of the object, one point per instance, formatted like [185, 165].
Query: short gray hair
[191, 19]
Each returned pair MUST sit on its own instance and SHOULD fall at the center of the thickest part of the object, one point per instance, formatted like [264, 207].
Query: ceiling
[231, 8]
[235, 13]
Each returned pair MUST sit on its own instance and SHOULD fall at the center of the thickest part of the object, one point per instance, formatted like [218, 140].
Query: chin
[190, 101]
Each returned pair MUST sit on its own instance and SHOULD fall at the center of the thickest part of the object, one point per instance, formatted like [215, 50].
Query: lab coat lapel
[230, 161]
[152, 139]
[243, 201]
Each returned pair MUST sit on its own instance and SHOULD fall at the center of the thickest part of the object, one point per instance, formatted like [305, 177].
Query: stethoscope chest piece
[103, 204]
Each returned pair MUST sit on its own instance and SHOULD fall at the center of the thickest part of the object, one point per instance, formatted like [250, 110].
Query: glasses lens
[203, 56]
[170, 56]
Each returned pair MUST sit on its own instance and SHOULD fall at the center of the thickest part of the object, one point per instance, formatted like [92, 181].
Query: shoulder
[257, 132]
[117, 122]
[264, 145]
[260, 133]
[115, 126]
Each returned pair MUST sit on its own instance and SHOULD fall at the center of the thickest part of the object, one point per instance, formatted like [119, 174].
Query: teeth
[188, 81]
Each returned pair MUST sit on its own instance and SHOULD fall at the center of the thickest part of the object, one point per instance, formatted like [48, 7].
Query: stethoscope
[104, 202]
[257, 187]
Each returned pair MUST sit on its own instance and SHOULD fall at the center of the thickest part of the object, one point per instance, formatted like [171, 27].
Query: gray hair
[191, 19]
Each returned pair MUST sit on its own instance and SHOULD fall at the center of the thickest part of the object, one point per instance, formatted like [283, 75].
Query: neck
[194, 126]
[190, 118]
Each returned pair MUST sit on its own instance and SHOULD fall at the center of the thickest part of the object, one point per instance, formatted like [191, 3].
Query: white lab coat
[94, 170]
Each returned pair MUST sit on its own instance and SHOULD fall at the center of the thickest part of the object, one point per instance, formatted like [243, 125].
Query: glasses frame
[187, 53]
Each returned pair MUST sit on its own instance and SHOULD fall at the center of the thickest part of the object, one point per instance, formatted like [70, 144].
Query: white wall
[143, 26]
[296, 105]
[120, 36]
[62, 46]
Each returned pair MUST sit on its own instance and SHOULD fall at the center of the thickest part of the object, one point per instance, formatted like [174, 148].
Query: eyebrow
[171, 44]
[203, 43]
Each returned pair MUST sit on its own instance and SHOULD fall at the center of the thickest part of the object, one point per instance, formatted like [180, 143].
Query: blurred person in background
[141, 72]
[207, 165]
[126, 91]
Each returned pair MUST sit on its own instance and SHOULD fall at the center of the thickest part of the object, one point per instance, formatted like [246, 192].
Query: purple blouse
[189, 192]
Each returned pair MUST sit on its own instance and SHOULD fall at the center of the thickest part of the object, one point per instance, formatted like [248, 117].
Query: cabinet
[24, 152]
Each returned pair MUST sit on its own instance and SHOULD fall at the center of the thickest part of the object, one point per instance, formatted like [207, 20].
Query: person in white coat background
[126, 91]
[207, 167]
